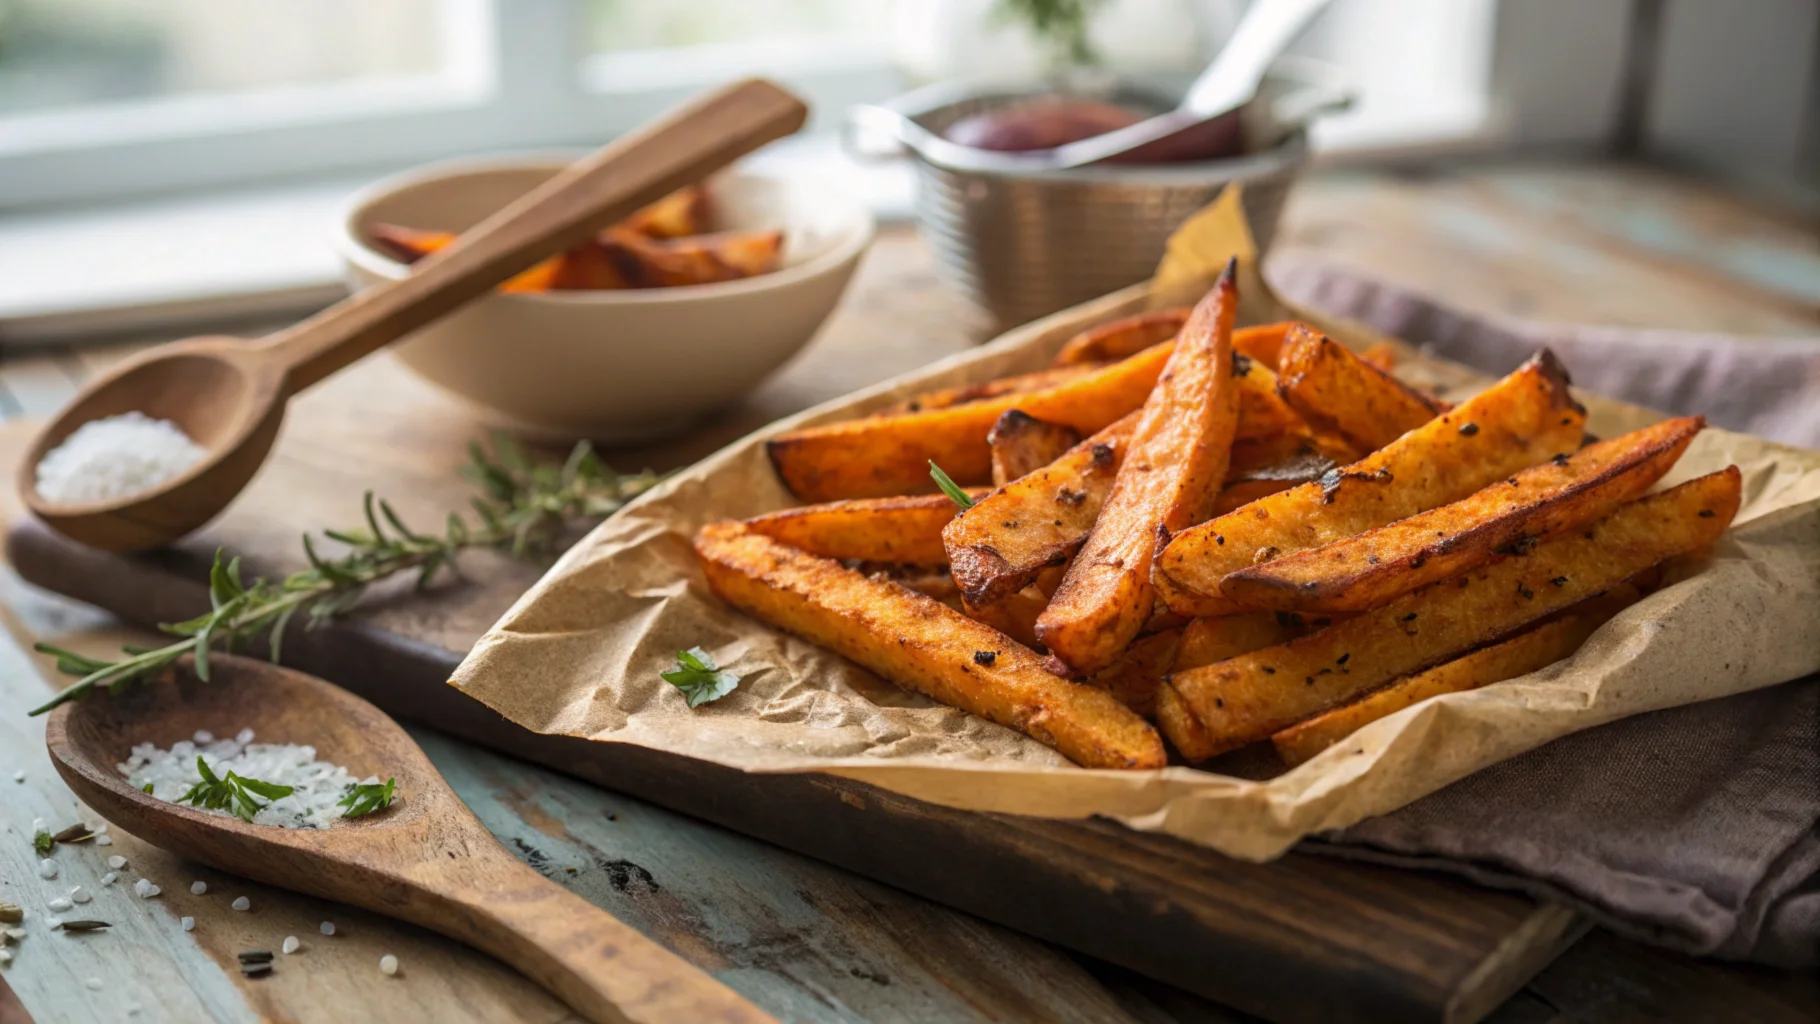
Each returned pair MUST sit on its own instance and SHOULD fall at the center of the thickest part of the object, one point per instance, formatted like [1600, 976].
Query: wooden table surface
[804, 940]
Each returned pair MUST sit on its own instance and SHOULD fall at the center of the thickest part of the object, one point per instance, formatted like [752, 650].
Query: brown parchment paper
[579, 654]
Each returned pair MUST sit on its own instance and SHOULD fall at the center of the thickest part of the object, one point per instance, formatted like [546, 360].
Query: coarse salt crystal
[146, 889]
[53, 923]
[327, 928]
[115, 457]
[116, 862]
[47, 869]
[93, 984]
[80, 895]
[388, 964]
[60, 904]
[109, 879]
[15, 934]
[19, 776]
[198, 887]
[317, 787]
[291, 944]
[6, 956]
[104, 840]
[242, 903]
[188, 923]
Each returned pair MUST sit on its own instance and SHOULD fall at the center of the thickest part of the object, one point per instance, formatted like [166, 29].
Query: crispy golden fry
[884, 455]
[906, 530]
[922, 645]
[938, 585]
[1178, 456]
[682, 212]
[1340, 393]
[1245, 699]
[1138, 673]
[1262, 411]
[997, 547]
[1122, 338]
[582, 267]
[1205, 641]
[1250, 478]
[1383, 355]
[989, 389]
[1519, 421]
[1522, 654]
[1564, 494]
[1022, 444]
[1179, 726]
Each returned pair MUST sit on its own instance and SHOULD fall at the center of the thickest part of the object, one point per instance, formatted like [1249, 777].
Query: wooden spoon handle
[683, 147]
[601, 967]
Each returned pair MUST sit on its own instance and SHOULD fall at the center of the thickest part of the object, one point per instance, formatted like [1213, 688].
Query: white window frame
[517, 76]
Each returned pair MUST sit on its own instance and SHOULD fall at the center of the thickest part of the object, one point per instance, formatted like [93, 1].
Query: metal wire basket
[1023, 245]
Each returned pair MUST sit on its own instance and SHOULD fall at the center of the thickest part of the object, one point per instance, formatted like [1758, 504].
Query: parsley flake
[699, 678]
[364, 798]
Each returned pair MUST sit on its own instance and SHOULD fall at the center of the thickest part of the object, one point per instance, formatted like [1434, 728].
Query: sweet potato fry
[1122, 338]
[1383, 355]
[1263, 344]
[1019, 384]
[906, 530]
[408, 245]
[1137, 675]
[1262, 412]
[1248, 698]
[1015, 616]
[1246, 483]
[1522, 654]
[1340, 393]
[1519, 421]
[922, 645]
[885, 455]
[1564, 494]
[1022, 444]
[1178, 457]
[682, 212]
[998, 546]
[1205, 641]
[699, 259]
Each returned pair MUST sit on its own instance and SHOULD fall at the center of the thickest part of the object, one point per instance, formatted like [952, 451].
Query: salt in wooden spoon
[229, 395]
[426, 859]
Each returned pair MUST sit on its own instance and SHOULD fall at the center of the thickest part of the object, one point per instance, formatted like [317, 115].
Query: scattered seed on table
[109, 879]
[47, 869]
[188, 924]
[256, 970]
[102, 840]
[13, 914]
[254, 956]
[291, 944]
[328, 928]
[198, 888]
[59, 904]
[116, 862]
[146, 889]
[242, 903]
[74, 834]
[85, 926]
[80, 895]
[388, 965]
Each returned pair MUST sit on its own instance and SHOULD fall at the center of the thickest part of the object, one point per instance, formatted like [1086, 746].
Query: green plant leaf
[699, 678]
[949, 487]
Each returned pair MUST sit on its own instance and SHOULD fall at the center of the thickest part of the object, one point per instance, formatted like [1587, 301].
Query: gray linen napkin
[1697, 827]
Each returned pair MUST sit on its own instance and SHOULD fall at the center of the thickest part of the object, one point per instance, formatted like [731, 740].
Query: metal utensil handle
[1232, 79]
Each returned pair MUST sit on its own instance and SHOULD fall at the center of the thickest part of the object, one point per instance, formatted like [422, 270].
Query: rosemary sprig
[524, 508]
[363, 798]
[953, 490]
[234, 793]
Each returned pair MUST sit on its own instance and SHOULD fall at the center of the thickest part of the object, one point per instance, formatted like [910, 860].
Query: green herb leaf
[234, 793]
[949, 487]
[146, 789]
[699, 678]
[42, 842]
[365, 798]
[270, 791]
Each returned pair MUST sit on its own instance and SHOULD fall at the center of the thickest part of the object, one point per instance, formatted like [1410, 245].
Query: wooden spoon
[229, 395]
[426, 859]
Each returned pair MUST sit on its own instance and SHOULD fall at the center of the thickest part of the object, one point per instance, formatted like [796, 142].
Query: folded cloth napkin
[1769, 387]
[1696, 827]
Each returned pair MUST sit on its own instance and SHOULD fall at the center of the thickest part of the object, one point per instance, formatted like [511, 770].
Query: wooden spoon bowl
[426, 859]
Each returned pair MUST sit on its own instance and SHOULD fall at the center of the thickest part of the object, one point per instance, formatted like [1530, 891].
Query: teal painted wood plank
[803, 940]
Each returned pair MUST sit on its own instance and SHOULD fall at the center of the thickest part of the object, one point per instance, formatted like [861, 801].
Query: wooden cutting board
[1305, 938]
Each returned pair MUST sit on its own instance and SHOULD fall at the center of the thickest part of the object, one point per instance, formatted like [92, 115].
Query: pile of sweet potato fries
[664, 245]
[1238, 536]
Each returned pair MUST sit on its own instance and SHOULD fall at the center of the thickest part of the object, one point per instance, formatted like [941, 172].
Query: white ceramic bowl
[614, 365]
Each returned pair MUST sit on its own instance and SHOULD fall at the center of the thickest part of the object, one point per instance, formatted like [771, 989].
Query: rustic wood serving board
[1304, 938]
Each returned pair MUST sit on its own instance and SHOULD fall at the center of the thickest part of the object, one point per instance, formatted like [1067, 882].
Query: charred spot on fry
[1469, 429]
